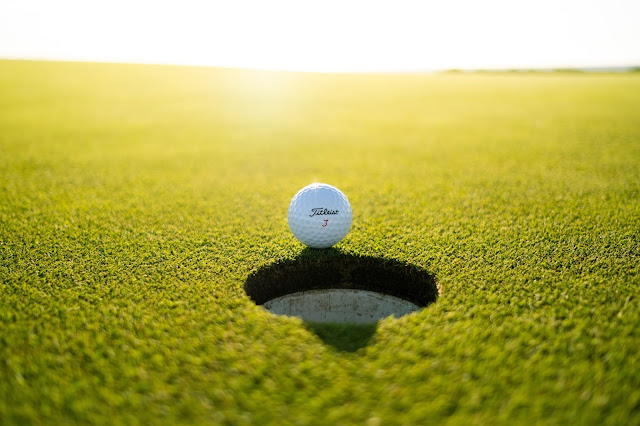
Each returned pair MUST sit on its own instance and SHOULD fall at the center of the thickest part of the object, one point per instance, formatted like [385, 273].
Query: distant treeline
[550, 70]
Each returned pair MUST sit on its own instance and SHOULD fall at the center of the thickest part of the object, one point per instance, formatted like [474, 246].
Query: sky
[327, 35]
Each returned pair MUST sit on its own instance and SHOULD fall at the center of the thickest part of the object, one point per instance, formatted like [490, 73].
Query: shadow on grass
[343, 337]
[332, 269]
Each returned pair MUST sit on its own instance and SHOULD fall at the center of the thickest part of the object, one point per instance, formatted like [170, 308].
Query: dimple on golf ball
[319, 215]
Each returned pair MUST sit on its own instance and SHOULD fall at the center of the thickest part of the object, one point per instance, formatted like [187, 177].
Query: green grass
[136, 200]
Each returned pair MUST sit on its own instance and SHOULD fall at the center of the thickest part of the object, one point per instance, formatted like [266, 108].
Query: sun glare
[327, 36]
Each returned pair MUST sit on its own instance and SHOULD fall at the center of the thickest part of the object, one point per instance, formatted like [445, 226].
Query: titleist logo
[321, 211]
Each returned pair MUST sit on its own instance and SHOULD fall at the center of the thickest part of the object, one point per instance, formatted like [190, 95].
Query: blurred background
[329, 35]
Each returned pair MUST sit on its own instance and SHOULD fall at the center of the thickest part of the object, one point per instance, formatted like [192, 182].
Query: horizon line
[620, 67]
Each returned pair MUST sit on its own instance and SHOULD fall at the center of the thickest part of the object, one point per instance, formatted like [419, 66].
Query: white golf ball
[319, 215]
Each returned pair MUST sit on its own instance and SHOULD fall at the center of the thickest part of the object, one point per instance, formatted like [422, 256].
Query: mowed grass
[136, 200]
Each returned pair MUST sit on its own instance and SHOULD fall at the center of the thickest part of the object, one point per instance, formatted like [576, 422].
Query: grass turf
[136, 200]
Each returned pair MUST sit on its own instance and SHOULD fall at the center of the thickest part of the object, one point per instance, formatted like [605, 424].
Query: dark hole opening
[332, 269]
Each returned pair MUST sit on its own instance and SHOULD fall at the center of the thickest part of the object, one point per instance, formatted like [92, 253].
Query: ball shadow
[343, 337]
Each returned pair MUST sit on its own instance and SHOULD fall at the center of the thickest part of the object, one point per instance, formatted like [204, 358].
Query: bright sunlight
[327, 36]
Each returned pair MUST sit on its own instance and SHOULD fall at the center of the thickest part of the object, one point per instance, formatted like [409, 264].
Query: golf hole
[340, 305]
[337, 288]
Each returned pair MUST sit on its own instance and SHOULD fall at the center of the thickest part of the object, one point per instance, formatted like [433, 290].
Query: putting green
[136, 201]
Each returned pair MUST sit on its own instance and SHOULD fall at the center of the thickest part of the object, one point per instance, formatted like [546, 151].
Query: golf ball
[319, 215]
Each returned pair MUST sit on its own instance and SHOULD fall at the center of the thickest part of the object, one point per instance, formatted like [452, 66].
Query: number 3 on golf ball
[319, 215]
